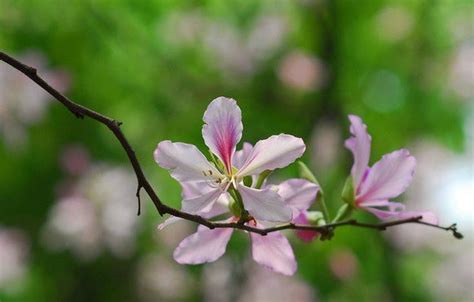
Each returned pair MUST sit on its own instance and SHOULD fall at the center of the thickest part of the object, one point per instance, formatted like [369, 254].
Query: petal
[381, 203]
[169, 221]
[382, 214]
[305, 235]
[277, 151]
[201, 204]
[265, 204]
[223, 128]
[298, 194]
[203, 246]
[359, 144]
[184, 161]
[240, 157]
[383, 209]
[389, 177]
[395, 207]
[192, 189]
[428, 217]
[221, 206]
[392, 213]
[274, 252]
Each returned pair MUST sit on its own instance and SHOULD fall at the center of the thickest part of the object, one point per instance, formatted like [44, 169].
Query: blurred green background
[68, 224]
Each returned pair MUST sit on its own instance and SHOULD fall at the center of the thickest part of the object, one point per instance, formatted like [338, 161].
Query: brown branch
[328, 228]
[114, 126]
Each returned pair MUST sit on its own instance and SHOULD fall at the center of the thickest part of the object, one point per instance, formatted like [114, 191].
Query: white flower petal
[298, 194]
[359, 144]
[383, 209]
[201, 204]
[396, 211]
[388, 178]
[265, 204]
[240, 157]
[169, 221]
[184, 161]
[220, 206]
[191, 189]
[277, 151]
[274, 252]
[203, 246]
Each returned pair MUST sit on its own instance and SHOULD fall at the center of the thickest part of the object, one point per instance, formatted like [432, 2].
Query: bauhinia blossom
[221, 132]
[298, 194]
[272, 251]
[233, 182]
[373, 187]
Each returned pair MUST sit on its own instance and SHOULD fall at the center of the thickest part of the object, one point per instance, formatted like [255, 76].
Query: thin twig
[114, 126]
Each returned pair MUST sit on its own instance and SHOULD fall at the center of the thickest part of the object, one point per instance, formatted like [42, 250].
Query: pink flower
[272, 251]
[221, 132]
[299, 194]
[386, 179]
[305, 235]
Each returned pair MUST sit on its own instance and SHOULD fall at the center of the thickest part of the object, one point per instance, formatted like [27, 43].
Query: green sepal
[344, 212]
[306, 173]
[348, 195]
[217, 162]
[234, 208]
[315, 218]
[248, 181]
[234, 170]
[261, 178]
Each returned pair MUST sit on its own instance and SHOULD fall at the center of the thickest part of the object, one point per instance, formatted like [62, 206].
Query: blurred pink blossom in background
[233, 51]
[461, 77]
[302, 71]
[343, 264]
[394, 23]
[446, 184]
[96, 210]
[159, 279]
[22, 102]
[264, 286]
[325, 142]
[14, 248]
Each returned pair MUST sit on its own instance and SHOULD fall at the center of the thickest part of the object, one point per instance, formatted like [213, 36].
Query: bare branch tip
[139, 199]
[453, 228]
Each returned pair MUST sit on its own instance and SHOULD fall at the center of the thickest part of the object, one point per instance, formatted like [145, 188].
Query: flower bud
[306, 173]
[348, 195]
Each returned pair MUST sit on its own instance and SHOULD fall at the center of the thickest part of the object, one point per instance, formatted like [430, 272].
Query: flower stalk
[306, 173]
